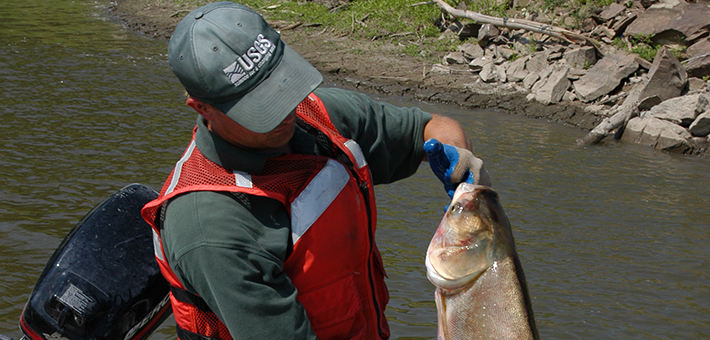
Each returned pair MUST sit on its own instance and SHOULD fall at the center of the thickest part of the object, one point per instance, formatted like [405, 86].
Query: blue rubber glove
[453, 165]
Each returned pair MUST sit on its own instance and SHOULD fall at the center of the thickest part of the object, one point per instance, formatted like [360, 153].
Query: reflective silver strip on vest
[316, 197]
[354, 147]
[242, 179]
[157, 249]
[178, 168]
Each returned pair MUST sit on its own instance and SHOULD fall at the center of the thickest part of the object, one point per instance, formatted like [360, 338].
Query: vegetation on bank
[409, 24]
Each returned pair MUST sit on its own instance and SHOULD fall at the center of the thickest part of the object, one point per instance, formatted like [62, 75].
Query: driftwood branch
[527, 25]
[624, 113]
[604, 129]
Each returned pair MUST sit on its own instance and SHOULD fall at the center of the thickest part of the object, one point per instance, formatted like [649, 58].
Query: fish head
[473, 234]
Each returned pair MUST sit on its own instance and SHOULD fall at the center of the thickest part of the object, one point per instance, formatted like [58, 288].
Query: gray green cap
[226, 55]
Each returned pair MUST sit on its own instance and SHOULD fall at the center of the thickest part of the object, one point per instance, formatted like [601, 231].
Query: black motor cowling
[103, 281]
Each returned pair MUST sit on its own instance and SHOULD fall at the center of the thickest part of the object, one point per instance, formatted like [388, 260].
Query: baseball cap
[225, 54]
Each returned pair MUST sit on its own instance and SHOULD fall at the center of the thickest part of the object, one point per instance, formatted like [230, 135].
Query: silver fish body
[480, 286]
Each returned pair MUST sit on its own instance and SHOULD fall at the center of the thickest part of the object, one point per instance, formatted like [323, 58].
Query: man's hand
[453, 165]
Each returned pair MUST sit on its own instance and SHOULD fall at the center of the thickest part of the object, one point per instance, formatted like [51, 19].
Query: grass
[396, 21]
[645, 48]
[360, 18]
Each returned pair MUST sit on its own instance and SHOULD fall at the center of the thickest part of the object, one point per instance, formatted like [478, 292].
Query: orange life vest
[335, 264]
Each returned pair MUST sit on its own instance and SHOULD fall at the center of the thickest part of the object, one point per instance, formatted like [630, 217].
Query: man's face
[240, 136]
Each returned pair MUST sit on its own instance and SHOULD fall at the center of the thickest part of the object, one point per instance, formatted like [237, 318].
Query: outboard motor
[103, 281]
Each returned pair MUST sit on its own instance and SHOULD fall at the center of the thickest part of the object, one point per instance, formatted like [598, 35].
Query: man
[265, 229]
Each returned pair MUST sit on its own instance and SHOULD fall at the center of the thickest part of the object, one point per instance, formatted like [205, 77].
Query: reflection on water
[612, 238]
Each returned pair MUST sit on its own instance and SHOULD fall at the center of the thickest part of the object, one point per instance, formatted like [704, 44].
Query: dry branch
[618, 120]
[527, 25]
[623, 113]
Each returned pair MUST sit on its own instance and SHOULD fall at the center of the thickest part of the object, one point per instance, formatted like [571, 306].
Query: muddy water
[612, 238]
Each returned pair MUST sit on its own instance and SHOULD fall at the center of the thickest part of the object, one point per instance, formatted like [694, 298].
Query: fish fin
[441, 315]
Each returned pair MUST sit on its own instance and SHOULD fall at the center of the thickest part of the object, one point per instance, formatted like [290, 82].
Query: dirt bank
[358, 64]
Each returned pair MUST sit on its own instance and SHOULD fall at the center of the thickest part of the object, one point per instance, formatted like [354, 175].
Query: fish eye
[456, 208]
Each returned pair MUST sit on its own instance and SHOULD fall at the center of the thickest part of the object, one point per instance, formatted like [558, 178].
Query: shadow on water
[612, 238]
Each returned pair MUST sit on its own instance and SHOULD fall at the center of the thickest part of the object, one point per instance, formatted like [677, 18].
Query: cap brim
[263, 108]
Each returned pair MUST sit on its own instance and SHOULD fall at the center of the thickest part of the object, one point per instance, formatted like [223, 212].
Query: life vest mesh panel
[209, 323]
[308, 109]
[200, 171]
[299, 173]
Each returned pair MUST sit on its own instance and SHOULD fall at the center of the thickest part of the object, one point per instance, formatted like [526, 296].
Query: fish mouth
[467, 242]
[451, 284]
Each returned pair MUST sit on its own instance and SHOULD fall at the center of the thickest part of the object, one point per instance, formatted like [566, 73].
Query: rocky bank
[597, 86]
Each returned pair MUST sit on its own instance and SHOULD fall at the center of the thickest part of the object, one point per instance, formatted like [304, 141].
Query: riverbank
[383, 69]
[358, 64]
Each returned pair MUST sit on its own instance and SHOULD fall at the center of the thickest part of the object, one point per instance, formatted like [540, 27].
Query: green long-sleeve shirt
[230, 248]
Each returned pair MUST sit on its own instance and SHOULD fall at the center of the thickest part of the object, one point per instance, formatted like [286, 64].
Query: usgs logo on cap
[249, 63]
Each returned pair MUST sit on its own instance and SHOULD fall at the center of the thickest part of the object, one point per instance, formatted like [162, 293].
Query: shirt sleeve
[390, 137]
[230, 249]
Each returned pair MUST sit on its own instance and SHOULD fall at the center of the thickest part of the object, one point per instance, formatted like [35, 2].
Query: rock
[603, 32]
[471, 51]
[692, 39]
[500, 73]
[666, 79]
[670, 23]
[516, 70]
[621, 25]
[477, 64]
[648, 3]
[554, 53]
[440, 69]
[700, 144]
[695, 84]
[530, 80]
[469, 30]
[455, 27]
[701, 126]
[569, 96]
[588, 25]
[537, 63]
[605, 75]
[581, 57]
[699, 48]
[657, 133]
[649, 102]
[488, 73]
[680, 110]
[486, 33]
[643, 63]
[505, 53]
[611, 11]
[550, 89]
[569, 21]
[698, 66]
[454, 58]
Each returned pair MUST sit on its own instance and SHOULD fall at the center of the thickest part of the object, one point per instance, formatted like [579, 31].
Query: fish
[480, 287]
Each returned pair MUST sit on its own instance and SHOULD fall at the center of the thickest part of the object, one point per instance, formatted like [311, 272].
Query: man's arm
[390, 136]
[447, 131]
[448, 151]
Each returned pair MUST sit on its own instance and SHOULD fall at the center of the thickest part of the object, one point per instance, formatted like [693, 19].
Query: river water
[613, 238]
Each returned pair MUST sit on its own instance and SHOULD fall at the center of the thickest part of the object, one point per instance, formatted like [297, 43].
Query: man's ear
[205, 110]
